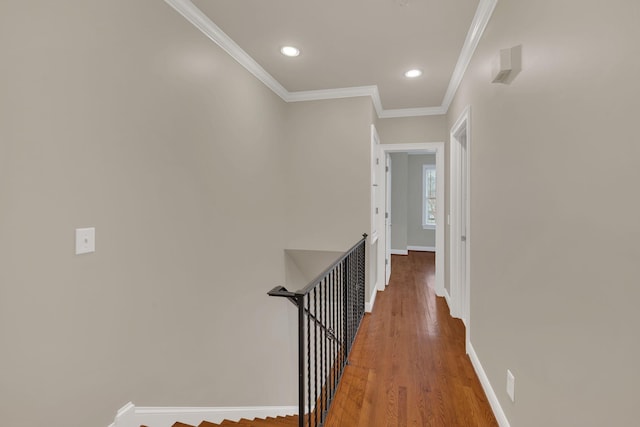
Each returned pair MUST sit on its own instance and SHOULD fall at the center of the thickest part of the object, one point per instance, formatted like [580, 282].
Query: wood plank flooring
[408, 366]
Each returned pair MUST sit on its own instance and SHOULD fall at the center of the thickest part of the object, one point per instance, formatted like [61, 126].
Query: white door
[387, 219]
[460, 233]
[464, 291]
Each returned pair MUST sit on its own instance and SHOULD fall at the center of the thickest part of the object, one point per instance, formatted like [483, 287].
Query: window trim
[427, 167]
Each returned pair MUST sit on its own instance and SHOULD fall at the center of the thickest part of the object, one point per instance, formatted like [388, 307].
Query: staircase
[290, 420]
[330, 310]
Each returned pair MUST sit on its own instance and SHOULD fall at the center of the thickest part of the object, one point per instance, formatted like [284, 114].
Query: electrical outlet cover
[511, 385]
[85, 240]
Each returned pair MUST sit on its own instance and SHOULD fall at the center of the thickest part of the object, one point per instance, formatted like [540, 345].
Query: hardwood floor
[408, 366]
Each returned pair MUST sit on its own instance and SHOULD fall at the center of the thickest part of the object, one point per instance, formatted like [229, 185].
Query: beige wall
[122, 116]
[399, 203]
[302, 266]
[134, 123]
[552, 155]
[139, 125]
[416, 235]
[328, 174]
[411, 130]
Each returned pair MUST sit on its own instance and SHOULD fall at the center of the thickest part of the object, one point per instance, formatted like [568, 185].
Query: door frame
[460, 297]
[387, 215]
[420, 148]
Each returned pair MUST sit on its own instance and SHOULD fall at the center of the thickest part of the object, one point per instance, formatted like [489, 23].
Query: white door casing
[377, 210]
[460, 234]
[421, 148]
[375, 161]
[387, 217]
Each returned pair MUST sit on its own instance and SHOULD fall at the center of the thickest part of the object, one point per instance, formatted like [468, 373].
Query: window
[429, 196]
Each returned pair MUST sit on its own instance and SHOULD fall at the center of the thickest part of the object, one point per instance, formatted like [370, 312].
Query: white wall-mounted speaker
[507, 65]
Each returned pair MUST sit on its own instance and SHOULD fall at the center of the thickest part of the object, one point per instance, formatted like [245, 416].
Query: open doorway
[436, 150]
[412, 202]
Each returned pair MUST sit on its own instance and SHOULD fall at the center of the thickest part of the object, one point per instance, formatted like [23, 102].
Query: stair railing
[330, 309]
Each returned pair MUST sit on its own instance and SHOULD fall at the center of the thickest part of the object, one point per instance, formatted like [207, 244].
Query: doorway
[460, 238]
[384, 258]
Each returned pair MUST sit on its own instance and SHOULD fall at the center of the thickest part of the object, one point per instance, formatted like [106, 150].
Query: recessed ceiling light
[290, 51]
[412, 74]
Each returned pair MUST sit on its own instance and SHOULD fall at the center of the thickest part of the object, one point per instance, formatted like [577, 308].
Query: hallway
[408, 366]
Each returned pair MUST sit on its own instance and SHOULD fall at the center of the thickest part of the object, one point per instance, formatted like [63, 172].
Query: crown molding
[478, 25]
[413, 112]
[377, 103]
[203, 23]
[346, 92]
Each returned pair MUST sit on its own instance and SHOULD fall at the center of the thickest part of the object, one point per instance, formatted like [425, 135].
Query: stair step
[289, 420]
[242, 422]
[278, 421]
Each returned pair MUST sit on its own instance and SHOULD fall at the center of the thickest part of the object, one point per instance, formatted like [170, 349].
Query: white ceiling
[352, 43]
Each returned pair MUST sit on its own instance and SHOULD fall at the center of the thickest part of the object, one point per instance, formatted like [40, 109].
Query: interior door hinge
[377, 160]
[386, 168]
[386, 261]
[376, 211]
[386, 215]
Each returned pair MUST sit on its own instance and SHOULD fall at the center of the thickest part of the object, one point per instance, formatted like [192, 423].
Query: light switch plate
[85, 240]
[511, 385]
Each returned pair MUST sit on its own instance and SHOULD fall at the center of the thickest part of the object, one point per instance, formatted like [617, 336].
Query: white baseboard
[488, 389]
[125, 416]
[399, 252]
[368, 306]
[447, 298]
[422, 248]
[131, 416]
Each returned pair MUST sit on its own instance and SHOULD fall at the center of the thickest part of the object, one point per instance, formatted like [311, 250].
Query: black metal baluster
[332, 342]
[321, 403]
[340, 307]
[346, 309]
[333, 327]
[356, 292]
[350, 305]
[350, 301]
[359, 290]
[300, 304]
[315, 357]
[356, 300]
[309, 358]
[361, 284]
[345, 305]
[325, 383]
[363, 259]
